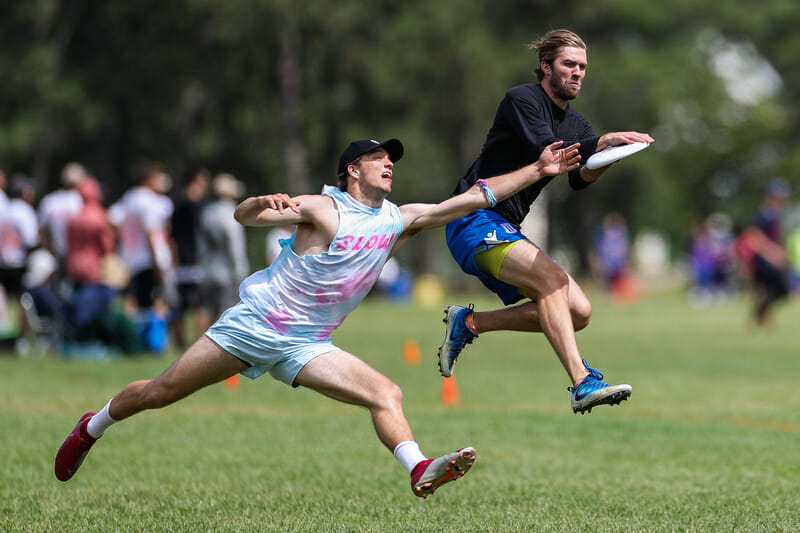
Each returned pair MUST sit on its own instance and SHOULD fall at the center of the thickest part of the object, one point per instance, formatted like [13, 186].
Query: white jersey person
[142, 218]
[58, 207]
[283, 323]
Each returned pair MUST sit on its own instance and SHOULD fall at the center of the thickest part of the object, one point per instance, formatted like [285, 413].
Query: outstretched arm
[315, 216]
[269, 210]
[552, 162]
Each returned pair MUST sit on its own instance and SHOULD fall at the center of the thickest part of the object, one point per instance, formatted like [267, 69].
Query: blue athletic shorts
[240, 332]
[476, 233]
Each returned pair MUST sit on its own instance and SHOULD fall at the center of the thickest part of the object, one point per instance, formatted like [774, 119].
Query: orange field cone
[450, 394]
[232, 382]
[411, 352]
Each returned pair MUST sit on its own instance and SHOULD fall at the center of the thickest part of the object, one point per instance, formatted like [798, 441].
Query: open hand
[555, 160]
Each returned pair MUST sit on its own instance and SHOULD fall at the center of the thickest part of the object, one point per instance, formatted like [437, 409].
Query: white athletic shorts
[243, 334]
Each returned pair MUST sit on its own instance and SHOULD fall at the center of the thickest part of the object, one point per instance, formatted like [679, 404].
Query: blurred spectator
[20, 207]
[39, 269]
[761, 249]
[90, 236]
[141, 218]
[88, 316]
[720, 227]
[86, 319]
[611, 256]
[186, 232]
[58, 207]
[222, 246]
[22, 199]
[165, 253]
[90, 240]
[43, 319]
[701, 264]
[18, 235]
[5, 320]
[38, 281]
[711, 259]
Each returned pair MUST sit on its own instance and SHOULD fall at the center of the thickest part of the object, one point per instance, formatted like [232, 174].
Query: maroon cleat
[430, 474]
[74, 450]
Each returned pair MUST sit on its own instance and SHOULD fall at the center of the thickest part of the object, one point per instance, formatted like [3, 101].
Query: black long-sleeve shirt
[526, 122]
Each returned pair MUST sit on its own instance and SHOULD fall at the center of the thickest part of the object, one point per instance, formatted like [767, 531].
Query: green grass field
[709, 441]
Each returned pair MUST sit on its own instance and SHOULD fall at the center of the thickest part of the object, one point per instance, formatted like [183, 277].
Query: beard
[562, 90]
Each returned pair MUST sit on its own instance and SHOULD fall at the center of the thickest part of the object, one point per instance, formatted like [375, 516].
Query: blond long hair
[551, 44]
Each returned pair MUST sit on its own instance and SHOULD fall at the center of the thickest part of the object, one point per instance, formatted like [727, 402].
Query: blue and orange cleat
[456, 336]
[592, 392]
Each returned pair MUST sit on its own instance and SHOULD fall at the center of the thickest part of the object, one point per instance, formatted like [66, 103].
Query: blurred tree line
[272, 90]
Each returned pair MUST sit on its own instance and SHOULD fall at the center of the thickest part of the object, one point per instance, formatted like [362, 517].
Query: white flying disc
[609, 155]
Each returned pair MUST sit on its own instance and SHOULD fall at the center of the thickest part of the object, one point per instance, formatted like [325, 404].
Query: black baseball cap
[358, 148]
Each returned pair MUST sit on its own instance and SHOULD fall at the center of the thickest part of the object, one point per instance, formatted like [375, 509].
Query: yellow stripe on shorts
[491, 260]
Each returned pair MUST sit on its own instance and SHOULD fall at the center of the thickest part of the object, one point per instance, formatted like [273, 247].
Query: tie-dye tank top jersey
[310, 296]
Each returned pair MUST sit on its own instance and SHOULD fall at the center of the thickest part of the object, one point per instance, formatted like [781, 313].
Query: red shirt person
[89, 235]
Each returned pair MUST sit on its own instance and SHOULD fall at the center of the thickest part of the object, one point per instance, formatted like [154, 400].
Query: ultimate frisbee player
[488, 243]
[287, 312]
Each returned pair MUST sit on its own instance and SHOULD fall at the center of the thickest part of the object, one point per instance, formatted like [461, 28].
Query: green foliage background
[244, 85]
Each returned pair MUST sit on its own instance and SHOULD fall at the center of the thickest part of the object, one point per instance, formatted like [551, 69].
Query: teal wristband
[487, 192]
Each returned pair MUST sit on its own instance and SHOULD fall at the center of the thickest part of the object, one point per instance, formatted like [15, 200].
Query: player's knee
[581, 314]
[394, 394]
[389, 395]
[555, 280]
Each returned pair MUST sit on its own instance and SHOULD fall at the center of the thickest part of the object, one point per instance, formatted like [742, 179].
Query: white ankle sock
[409, 454]
[100, 422]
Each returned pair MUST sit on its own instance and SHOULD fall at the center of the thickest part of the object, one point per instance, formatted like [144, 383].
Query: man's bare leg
[527, 267]
[344, 377]
[558, 308]
[204, 363]
[525, 316]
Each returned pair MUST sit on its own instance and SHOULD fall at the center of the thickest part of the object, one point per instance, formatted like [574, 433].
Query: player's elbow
[243, 214]
[240, 214]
